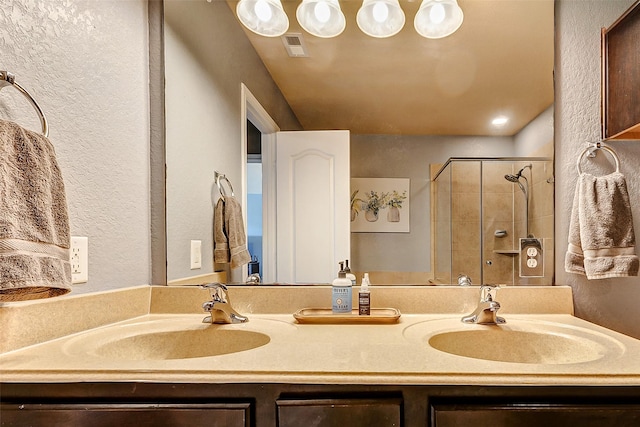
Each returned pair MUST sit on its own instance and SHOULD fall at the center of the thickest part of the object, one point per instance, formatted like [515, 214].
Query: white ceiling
[500, 62]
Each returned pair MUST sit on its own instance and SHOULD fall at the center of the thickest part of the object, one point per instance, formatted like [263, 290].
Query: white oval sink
[517, 341]
[517, 346]
[167, 339]
[181, 344]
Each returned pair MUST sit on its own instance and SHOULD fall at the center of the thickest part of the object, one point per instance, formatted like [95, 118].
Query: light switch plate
[196, 254]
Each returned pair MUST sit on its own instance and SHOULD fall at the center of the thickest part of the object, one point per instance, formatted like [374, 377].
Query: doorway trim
[252, 110]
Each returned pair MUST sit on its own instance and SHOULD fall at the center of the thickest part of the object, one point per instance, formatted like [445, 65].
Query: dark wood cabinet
[141, 404]
[124, 415]
[535, 414]
[621, 77]
[339, 412]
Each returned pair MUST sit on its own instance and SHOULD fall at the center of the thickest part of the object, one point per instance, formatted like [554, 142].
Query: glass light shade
[438, 18]
[321, 18]
[263, 17]
[380, 18]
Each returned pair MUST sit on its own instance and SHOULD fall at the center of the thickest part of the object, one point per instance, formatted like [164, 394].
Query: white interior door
[313, 232]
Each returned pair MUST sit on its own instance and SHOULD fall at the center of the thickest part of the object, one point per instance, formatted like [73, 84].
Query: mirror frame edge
[157, 142]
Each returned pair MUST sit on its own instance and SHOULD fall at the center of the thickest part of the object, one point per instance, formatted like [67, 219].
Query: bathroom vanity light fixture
[380, 18]
[263, 17]
[376, 18]
[321, 18]
[438, 18]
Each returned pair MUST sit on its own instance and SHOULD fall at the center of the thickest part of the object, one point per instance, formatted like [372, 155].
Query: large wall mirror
[410, 105]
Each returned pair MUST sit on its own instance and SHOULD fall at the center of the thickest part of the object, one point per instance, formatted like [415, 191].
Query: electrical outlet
[79, 259]
[531, 259]
[196, 254]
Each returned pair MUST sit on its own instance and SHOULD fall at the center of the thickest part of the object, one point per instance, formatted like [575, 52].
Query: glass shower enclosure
[493, 221]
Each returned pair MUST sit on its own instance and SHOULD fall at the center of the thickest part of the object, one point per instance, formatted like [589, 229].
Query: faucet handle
[464, 280]
[488, 292]
[218, 292]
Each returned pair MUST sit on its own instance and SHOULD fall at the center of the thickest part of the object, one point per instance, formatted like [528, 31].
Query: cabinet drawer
[340, 412]
[122, 415]
[525, 415]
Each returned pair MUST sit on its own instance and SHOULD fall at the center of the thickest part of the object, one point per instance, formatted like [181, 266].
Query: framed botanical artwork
[380, 205]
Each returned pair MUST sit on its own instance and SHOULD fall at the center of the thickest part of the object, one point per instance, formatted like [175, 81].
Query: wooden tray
[326, 316]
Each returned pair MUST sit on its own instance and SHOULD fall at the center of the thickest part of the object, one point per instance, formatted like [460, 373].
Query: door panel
[313, 205]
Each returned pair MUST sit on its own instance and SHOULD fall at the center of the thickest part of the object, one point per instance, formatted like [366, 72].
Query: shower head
[525, 190]
[516, 177]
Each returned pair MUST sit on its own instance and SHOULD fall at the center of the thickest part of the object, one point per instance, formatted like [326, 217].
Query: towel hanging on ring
[601, 234]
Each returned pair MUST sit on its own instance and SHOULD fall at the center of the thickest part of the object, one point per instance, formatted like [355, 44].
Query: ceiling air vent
[294, 43]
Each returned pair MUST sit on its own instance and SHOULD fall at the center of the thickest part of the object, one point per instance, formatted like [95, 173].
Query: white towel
[601, 236]
[34, 223]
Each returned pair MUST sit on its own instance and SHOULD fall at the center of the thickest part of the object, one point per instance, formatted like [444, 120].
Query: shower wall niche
[479, 214]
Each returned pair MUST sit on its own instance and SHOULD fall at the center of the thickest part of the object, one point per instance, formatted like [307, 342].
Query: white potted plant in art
[394, 202]
[373, 204]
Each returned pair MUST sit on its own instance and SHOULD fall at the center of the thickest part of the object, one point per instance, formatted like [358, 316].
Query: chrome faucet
[486, 313]
[464, 280]
[220, 306]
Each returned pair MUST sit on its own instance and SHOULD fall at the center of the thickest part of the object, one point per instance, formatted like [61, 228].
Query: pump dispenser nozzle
[342, 273]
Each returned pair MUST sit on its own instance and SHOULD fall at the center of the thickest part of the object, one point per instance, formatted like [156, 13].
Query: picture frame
[380, 205]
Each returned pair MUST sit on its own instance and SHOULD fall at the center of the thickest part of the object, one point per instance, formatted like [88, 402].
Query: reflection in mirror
[493, 221]
[409, 103]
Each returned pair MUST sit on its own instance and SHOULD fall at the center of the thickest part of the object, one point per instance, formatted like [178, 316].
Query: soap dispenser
[350, 275]
[341, 292]
[364, 297]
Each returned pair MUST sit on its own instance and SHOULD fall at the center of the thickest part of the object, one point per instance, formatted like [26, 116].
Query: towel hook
[219, 177]
[590, 151]
[7, 78]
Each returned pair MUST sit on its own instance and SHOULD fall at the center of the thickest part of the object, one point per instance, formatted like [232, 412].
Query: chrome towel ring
[219, 177]
[8, 79]
[591, 149]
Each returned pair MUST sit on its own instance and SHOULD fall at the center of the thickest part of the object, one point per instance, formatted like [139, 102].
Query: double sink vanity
[144, 355]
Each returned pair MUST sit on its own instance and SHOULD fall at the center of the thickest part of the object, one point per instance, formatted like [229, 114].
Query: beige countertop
[307, 353]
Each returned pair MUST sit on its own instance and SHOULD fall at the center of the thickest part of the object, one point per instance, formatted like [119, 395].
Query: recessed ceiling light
[499, 121]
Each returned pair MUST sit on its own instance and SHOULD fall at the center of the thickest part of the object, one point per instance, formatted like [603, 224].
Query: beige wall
[86, 64]
[611, 302]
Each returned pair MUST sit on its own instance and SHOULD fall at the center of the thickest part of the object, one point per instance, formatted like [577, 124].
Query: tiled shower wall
[474, 200]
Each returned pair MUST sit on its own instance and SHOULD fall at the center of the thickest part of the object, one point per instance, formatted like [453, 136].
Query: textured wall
[536, 139]
[85, 62]
[610, 302]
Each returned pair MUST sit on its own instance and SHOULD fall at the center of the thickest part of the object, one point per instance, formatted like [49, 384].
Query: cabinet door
[123, 415]
[340, 412]
[547, 415]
